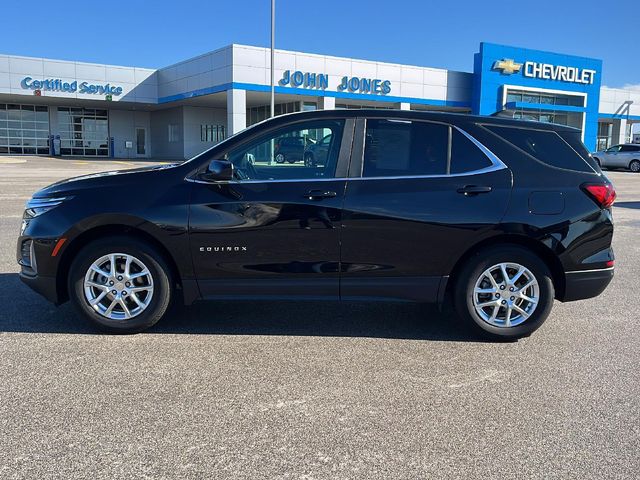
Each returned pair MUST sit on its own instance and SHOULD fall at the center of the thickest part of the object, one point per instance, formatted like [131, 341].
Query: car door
[628, 153]
[611, 157]
[419, 194]
[273, 230]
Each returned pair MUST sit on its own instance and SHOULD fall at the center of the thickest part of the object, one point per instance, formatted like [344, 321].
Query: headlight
[38, 206]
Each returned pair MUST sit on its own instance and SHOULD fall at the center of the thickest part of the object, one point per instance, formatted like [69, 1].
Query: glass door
[141, 141]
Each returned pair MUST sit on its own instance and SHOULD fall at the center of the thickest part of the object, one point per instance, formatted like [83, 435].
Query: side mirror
[218, 170]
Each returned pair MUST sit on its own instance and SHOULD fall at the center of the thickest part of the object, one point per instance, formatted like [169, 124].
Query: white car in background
[620, 156]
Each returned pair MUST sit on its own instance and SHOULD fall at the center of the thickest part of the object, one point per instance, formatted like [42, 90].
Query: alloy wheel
[118, 286]
[506, 295]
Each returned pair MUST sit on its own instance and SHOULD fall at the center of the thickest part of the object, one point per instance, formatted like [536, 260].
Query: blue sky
[427, 33]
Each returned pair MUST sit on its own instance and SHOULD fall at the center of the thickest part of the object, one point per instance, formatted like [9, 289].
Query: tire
[476, 268]
[280, 158]
[634, 166]
[291, 159]
[153, 289]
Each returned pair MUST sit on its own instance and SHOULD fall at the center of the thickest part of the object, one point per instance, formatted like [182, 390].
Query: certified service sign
[57, 85]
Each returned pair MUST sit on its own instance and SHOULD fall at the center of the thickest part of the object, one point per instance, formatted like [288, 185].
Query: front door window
[282, 155]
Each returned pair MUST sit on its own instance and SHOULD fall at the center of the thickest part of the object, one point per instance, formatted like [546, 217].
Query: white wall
[252, 65]
[122, 127]
[613, 100]
[138, 84]
[202, 72]
[247, 64]
[194, 117]
[161, 146]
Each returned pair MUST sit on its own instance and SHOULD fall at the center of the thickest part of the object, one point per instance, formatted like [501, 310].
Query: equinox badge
[223, 249]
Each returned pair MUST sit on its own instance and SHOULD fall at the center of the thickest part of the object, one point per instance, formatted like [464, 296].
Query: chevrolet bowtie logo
[507, 65]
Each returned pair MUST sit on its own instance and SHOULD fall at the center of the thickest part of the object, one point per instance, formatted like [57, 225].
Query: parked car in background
[498, 216]
[619, 156]
[289, 149]
[316, 153]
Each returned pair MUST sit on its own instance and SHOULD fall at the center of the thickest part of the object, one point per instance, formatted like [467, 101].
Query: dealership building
[68, 108]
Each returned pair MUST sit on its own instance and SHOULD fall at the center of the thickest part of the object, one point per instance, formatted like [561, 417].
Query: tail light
[602, 193]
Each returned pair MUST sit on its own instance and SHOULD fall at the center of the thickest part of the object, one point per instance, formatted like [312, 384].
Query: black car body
[405, 206]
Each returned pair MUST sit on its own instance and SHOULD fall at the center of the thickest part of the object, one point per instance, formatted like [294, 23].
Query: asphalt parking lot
[311, 390]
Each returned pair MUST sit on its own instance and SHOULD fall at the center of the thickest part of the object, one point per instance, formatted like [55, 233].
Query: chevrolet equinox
[498, 216]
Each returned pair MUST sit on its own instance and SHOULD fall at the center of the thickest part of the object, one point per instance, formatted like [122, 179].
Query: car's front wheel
[504, 292]
[120, 284]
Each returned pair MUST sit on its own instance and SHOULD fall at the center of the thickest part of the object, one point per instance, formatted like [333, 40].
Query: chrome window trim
[496, 164]
[490, 155]
[283, 180]
[490, 169]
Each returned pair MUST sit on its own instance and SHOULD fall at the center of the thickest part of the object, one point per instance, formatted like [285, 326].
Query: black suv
[500, 216]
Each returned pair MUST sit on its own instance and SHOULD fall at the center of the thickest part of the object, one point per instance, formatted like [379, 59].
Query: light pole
[273, 41]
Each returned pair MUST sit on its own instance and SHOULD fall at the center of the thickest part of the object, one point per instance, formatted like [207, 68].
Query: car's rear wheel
[634, 166]
[504, 292]
[120, 284]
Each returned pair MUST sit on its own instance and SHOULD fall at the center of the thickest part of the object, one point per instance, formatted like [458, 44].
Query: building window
[544, 98]
[346, 106]
[604, 136]
[258, 114]
[572, 119]
[24, 129]
[83, 131]
[174, 133]
[212, 133]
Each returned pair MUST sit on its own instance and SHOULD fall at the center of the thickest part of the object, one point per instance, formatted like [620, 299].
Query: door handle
[469, 190]
[319, 194]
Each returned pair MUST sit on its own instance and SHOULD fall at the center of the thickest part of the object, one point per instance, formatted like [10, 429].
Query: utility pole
[273, 42]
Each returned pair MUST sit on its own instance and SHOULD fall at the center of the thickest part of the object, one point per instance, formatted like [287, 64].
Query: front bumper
[38, 267]
[586, 283]
[45, 286]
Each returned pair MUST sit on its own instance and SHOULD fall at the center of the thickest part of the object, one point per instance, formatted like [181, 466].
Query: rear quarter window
[465, 156]
[575, 142]
[546, 146]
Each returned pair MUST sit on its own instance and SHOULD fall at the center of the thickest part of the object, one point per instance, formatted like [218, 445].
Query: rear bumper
[586, 283]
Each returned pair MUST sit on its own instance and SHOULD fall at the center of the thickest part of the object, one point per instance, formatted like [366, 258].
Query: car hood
[101, 179]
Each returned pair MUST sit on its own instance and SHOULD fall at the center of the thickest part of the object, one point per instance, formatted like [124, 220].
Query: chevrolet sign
[546, 71]
[562, 73]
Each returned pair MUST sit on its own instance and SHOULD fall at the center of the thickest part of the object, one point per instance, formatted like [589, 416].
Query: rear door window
[629, 148]
[546, 146]
[405, 148]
